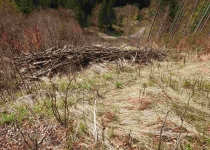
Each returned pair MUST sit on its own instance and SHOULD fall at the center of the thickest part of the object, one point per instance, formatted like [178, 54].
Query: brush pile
[55, 60]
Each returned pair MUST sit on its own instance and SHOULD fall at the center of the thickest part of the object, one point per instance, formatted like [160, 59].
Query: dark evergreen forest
[82, 8]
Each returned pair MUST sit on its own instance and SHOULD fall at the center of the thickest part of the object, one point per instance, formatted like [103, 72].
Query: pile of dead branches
[54, 59]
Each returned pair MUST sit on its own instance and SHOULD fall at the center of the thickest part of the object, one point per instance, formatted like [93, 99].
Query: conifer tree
[107, 15]
[102, 15]
[79, 15]
[111, 13]
[25, 6]
[36, 2]
[45, 3]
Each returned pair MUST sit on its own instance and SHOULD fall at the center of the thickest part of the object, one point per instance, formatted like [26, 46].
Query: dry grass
[127, 117]
[204, 57]
[141, 103]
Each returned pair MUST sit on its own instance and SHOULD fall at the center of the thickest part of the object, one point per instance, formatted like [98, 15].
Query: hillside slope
[164, 104]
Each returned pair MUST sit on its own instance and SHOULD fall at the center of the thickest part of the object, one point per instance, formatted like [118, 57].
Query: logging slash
[55, 60]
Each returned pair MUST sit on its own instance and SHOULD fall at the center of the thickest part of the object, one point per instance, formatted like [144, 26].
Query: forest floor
[163, 105]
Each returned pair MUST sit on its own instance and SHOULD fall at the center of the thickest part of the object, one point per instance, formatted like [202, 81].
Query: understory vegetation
[110, 98]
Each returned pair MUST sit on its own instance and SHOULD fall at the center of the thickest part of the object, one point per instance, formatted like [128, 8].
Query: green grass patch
[107, 77]
[83, 128]
[86, 86]
[63, 86]
[119, 84]
[22, 113]
[8, 118]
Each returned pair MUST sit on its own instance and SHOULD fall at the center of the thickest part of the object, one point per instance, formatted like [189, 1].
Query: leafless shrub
[38, 31]
[57, 27]
[128, 11]
[42, 29]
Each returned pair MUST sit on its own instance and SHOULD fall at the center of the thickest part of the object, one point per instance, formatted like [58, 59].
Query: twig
[161, 130]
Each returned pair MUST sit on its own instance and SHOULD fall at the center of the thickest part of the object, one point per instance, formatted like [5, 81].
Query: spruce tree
[79, 15]
[102, 15]
[107, 15]
[45, 3]
[25, 6]
[111, 13]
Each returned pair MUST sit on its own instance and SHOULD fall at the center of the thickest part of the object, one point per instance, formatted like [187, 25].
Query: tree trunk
[153, 22]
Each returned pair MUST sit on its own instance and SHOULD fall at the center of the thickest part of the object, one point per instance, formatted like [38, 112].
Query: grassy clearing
[117, 107]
